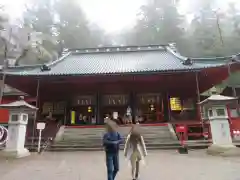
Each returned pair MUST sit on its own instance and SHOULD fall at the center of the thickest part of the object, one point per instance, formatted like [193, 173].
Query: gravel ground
[167, 165]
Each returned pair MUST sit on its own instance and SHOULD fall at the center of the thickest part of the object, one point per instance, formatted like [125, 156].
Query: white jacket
[141, 147]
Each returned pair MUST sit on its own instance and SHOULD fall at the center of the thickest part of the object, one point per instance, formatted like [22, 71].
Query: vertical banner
[73, 117]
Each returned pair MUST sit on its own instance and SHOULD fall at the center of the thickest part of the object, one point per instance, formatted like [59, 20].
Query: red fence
[4, 115]
[235, 126]
[235, 123]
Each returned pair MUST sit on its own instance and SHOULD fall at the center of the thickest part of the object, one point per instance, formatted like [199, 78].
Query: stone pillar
[16, 135]
[216, 108]
[18, 120]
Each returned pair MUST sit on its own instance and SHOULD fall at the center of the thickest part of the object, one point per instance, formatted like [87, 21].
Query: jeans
[112, 162]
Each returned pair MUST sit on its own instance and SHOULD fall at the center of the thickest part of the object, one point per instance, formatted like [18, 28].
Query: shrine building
[86, 85]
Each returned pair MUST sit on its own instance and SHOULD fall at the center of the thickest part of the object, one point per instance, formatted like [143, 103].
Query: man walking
[111, 143]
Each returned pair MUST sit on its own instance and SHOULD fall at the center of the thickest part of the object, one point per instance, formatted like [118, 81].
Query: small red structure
[182, 133]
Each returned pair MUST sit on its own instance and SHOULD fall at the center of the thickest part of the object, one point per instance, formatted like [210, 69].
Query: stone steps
[167, 145]
[91, 138]
[77, 138]
[192, 144]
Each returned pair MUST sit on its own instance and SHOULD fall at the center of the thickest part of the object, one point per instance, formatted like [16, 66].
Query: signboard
[40, 126]
[175, 104]
[115, 100]
[115, 115]
[84, 100]
[148, 98]
[54, 107]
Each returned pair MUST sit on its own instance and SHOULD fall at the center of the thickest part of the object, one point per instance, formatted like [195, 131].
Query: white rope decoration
[3, 135]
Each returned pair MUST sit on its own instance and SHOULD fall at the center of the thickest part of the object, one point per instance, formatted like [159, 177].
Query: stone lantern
[18, 120]
[215, 109]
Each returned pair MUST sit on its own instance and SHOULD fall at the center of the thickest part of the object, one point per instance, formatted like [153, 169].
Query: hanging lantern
[89, 109]
[152, 107]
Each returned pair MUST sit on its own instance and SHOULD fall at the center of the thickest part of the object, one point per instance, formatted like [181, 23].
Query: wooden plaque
[148, 98]
[115, 100]
[84, 100]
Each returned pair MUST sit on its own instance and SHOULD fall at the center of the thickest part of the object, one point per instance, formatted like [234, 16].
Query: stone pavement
[167, 165]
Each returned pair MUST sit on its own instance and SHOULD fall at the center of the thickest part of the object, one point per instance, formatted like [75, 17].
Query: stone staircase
[49, 132]
[73, 139]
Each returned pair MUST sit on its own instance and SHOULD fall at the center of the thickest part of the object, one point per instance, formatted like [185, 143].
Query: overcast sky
[112, 15]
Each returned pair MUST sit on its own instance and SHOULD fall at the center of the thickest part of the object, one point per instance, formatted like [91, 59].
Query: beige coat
[141, 149]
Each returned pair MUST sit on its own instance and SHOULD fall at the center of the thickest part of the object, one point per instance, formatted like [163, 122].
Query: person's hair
[111, 126]
[135, 136]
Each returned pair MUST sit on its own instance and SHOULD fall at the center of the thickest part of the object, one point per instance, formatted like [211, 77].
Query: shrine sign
[115, 100]
[86, 100]
[148, 98]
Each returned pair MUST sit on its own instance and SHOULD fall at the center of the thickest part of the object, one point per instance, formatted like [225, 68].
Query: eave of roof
[119, 60]
[10, 91]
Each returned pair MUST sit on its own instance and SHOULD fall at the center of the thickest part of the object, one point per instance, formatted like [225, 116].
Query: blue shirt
[111, 142]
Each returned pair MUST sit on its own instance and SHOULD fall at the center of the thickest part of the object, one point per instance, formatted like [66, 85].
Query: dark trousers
[112, 162]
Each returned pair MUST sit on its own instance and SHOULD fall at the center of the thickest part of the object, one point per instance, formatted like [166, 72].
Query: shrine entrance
[55, 111]
[149, 108]
[83, 110]
[117, 103]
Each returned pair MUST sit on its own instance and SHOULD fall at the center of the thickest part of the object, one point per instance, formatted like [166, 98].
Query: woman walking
[135, 150]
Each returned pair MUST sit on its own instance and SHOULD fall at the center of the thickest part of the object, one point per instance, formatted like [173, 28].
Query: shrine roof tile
[117, 60]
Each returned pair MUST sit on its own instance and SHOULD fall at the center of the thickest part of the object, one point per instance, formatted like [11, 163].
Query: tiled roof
[12, 91]
[115, 60]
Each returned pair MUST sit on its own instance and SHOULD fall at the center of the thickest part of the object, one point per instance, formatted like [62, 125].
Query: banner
[73, 117]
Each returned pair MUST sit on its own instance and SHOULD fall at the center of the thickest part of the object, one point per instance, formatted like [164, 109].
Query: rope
[3, 135]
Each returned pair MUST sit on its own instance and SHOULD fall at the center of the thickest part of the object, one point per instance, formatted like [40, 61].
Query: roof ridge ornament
[173, 47]
[44, 67]
[188, 62]
[21, 98]
[235, 58]
[65, 51]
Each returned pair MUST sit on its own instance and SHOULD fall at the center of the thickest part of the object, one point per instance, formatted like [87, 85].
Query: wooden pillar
[132, 104]
[166, 106]
[99, 118]
[68, 113]
[199, 111]
[234, 93]
[37, 112]
[65, 116]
